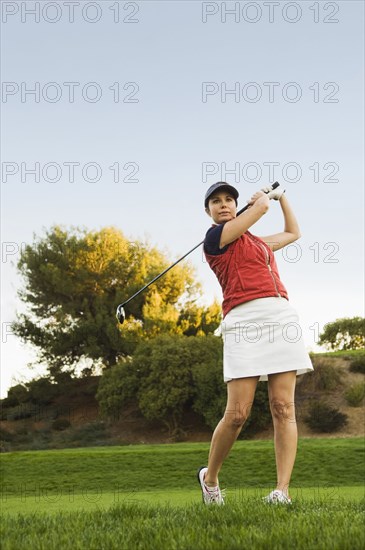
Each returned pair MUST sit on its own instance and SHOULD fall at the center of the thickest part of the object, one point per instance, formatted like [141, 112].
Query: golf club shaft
[160, 275]
[274, 186]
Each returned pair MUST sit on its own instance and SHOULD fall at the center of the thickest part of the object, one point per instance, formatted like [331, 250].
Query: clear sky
[178, 95]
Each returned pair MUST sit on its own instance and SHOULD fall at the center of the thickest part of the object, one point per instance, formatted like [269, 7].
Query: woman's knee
[282, 410]
[236, 418]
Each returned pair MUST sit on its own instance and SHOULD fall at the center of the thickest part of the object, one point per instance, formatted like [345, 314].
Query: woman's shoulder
[212, 240]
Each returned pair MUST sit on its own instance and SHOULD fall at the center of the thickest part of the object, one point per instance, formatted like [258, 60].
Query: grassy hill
[72, 419]
[147, 497]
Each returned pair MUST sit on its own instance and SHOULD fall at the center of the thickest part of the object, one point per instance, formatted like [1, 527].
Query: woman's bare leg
[281, 395]
[240, 396]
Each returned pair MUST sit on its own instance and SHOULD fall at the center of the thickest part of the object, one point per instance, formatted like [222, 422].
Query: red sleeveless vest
[246, 271]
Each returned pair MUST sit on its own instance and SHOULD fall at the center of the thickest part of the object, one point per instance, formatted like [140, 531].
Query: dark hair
[220, 185]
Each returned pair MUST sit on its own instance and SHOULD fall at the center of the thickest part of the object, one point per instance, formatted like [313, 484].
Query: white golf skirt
[262, 337]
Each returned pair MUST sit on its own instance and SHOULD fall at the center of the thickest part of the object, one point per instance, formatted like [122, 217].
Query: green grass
[146, 497]
[337, 462]
[249, 524]
[101, 500]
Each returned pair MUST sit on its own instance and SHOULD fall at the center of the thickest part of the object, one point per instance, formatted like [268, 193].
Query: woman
[260, 329]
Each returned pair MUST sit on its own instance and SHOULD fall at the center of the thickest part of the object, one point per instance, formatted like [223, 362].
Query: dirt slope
[79, 407]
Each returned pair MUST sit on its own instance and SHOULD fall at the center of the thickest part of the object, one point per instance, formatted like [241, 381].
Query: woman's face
[222, 207]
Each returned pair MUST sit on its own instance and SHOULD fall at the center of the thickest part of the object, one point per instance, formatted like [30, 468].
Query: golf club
[120, 314]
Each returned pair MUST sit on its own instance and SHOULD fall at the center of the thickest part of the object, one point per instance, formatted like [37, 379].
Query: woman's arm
[291, 228]
[235, 228]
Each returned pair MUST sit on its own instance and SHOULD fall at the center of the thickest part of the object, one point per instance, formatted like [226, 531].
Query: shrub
[40, 440]
[355, 394]
[165, 387]
[23, 436]
[4, 447]
[358, 365]
[20, 412]
[16, 395]
[210, 392]
[61, 424]
[328, 378]
[118, 386]
[260, 417]
[93, 433]
[4, 411]
[5, 435]
[42, 391]
[324, 378]
[323, 418]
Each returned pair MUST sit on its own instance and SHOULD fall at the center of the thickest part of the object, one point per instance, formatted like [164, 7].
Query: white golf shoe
[277, 497]
[211, 495]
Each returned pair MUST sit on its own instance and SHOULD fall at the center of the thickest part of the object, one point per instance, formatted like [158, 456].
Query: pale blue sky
[170, 133]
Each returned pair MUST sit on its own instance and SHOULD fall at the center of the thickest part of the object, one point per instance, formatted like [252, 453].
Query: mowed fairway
[147, 497]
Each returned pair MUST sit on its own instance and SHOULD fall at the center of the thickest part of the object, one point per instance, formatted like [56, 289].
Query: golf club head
[120, 314]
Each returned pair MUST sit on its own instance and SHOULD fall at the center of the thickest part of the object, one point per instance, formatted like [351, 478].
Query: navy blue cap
[220, 186]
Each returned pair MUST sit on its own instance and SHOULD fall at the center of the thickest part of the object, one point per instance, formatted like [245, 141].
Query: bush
[16, 395]
[23, 436]
[40, 440]
[355, 394]
[4, 447]
[117, 387]
[358, 365]
[324, 378]
[93, 433]
[167, 374]
[323, 418]
[20, 412]
[164, 365]
[260, 417]
[61, 424]
[210, 392]
[328, 378]
[5, 435]
[42, 391]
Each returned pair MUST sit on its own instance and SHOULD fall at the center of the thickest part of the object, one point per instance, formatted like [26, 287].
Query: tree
[171, 373]
[164, 367]
[199, 320]
[17, 395]
[344, 334]
[162, 376]
[210, 393]
[117, 387]
[74, 279]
